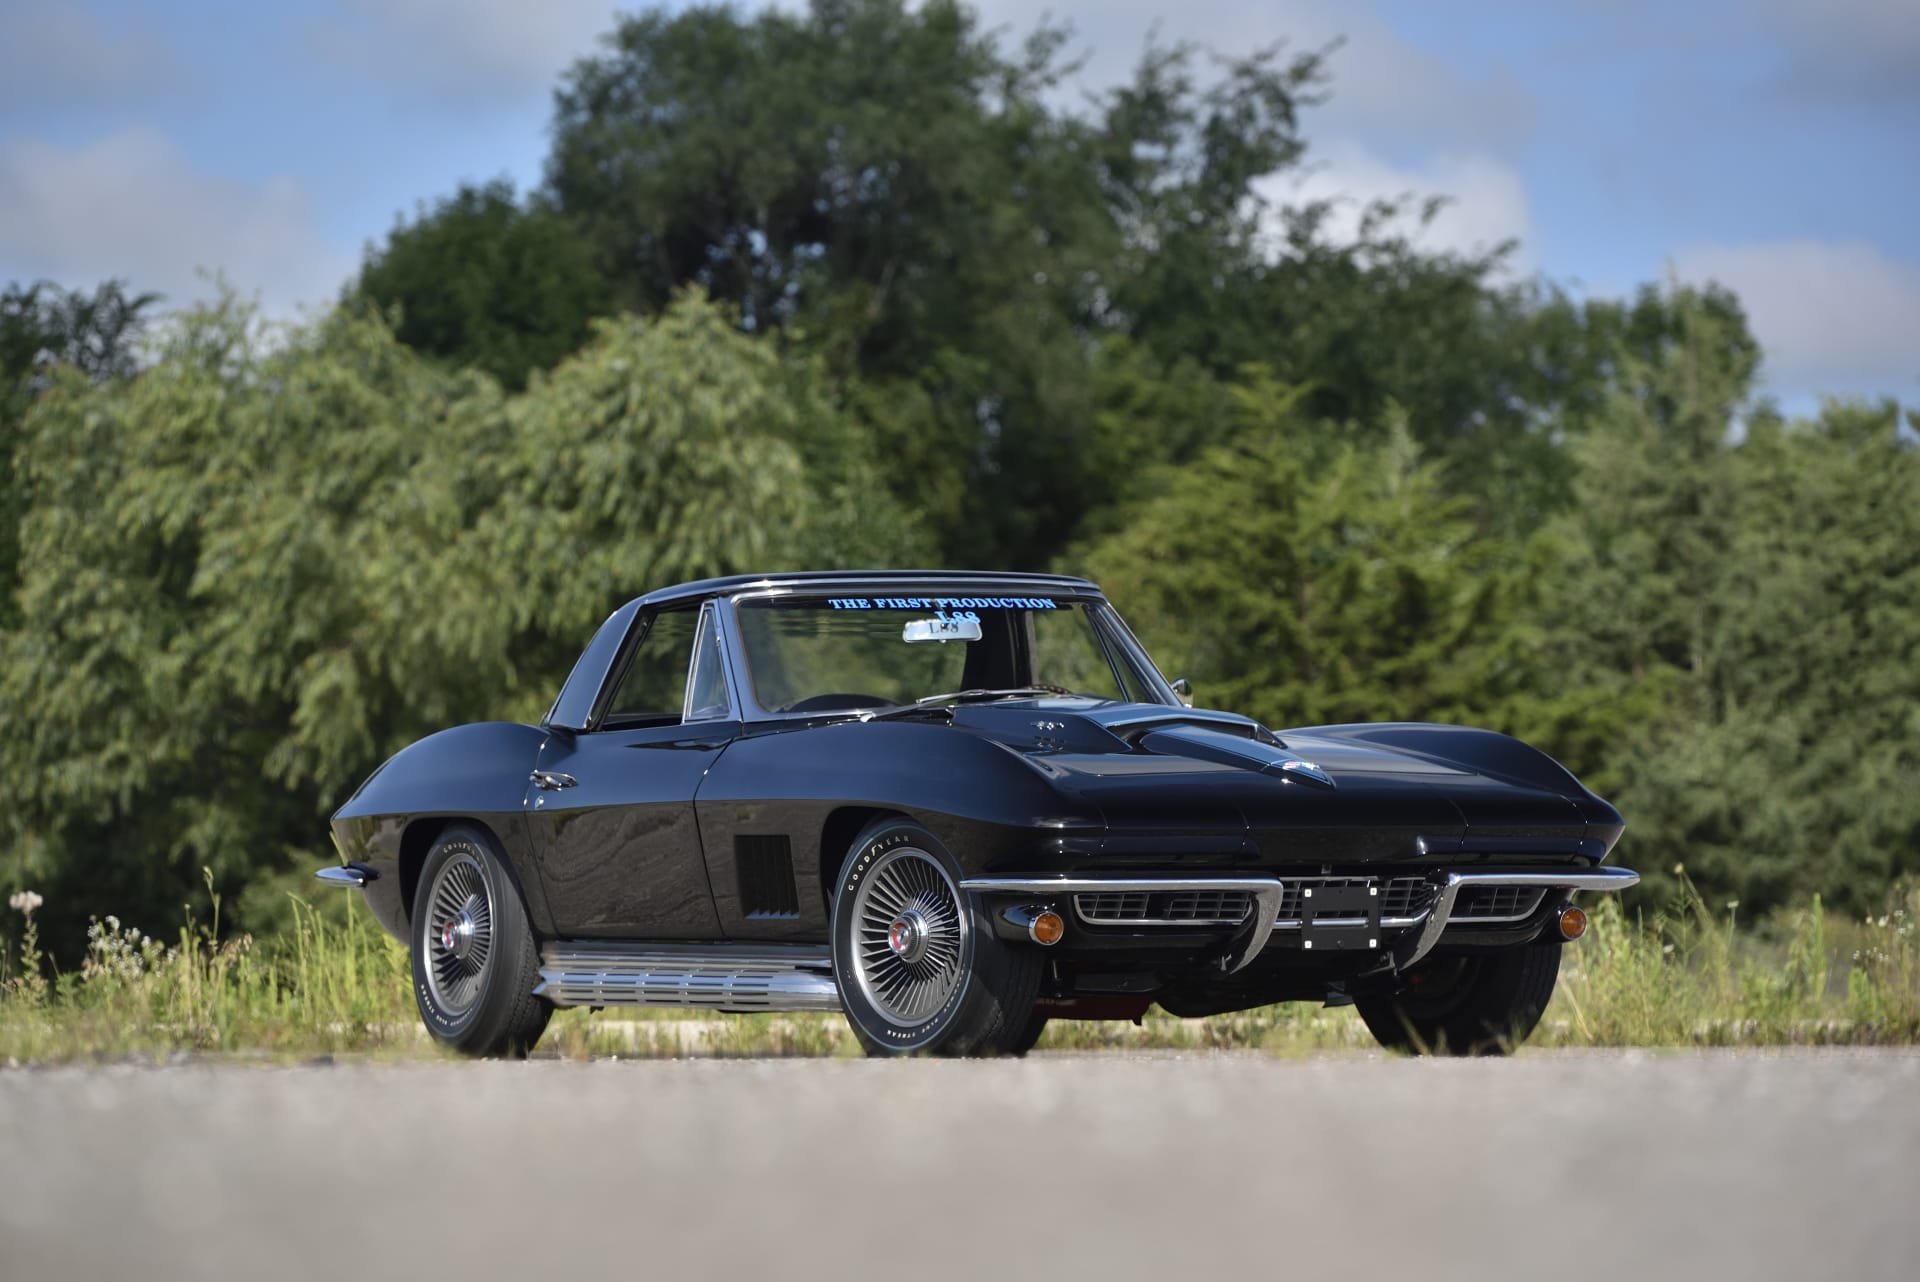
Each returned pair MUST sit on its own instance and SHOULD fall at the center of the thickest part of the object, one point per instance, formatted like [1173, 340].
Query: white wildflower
[25, 902]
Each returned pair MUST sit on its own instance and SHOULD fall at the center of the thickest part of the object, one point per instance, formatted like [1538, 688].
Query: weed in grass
[1692, 976]
[319, 987]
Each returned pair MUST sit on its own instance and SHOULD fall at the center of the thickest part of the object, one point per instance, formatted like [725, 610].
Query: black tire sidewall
[959, 1014]
[1501, 1003]
[481, 1023]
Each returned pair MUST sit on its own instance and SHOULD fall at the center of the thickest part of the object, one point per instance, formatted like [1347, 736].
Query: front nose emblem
[1307, 770]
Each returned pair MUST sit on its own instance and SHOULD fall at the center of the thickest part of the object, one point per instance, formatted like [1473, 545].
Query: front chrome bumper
[1418, 945]
[1420, 935]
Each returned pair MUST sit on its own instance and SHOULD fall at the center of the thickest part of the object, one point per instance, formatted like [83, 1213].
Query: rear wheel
[919, 968]
[1474, 1004]
[474, 960]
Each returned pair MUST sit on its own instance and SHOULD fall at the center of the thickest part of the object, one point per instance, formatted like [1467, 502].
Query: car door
[610, 809]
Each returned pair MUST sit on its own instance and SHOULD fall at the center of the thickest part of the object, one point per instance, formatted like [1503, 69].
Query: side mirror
[1184, 688]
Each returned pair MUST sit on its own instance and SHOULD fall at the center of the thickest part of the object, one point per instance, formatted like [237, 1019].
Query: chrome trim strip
[1265, 892]
[352, 876]
[1205, 922]
[594, 973]
[1410, 952]
[1386, 923]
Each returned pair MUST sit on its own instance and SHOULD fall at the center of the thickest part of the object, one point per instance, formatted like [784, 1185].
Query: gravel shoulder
[1749, 1165]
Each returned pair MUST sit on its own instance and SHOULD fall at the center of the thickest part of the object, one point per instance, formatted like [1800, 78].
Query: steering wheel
[837, 702]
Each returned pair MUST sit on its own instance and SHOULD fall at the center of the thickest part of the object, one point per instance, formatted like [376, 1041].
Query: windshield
[830, 654]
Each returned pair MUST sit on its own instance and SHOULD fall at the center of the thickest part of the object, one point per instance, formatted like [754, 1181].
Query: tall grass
[1694, 975]
[325, 984]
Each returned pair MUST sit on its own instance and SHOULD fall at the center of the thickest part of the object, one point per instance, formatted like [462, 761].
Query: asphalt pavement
[1801, 1166]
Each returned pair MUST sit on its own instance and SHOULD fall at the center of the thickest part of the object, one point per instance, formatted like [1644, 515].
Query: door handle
[552, 780]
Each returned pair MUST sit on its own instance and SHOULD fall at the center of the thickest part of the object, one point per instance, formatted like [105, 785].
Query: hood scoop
[1225, 748]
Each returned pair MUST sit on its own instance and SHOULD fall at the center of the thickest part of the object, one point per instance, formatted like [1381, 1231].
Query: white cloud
[57, 56]
[1382, 87]
[1487, 202]
[462, 51]
[1838, 317]
[130, 205]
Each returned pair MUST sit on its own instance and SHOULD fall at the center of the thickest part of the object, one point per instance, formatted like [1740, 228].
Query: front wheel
[919, 968]
[1473, 1004]
[474, 961]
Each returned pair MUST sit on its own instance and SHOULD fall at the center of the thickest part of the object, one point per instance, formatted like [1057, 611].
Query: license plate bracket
[1340, 918]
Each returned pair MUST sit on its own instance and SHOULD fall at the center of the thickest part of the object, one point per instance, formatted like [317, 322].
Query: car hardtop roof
[945, 582]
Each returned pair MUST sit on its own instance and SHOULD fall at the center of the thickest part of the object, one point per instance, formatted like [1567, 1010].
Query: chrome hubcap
[459, 934]
[456, 936]
[911, 937]
[907, 937]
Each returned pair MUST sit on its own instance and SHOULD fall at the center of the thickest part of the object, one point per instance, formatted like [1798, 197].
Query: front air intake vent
[764, 869]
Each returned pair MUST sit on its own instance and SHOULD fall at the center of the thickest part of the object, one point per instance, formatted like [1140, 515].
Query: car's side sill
[727, 977]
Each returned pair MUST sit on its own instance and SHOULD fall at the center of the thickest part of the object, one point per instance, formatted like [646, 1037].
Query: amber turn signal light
[1046, 927]
[1573, 922]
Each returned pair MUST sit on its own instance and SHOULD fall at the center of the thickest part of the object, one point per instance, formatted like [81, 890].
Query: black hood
[1325, 795]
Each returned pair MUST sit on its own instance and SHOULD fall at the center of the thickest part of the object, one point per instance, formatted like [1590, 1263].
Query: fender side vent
[763, 867]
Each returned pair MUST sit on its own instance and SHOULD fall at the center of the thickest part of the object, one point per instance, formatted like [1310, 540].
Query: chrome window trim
[1107, 619]
[708, 625]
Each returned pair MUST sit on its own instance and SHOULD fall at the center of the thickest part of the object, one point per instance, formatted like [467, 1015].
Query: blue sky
[1773, 145]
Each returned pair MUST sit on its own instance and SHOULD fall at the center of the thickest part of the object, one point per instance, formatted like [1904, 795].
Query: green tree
[1733, 614]
[893, 189]
[487, 280]
[1303, 577]
[44, 328]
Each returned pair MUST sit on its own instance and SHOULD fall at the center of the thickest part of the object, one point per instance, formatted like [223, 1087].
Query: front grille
[1111, 905]
[1401, 897]
[1403, 900]
[1497, 903]
[1170, 908]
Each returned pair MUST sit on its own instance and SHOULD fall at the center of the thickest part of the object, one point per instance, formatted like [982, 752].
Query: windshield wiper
[981, 696]
[942, 704]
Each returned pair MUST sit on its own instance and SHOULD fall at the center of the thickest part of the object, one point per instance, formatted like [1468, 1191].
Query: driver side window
[654, 688]
[675, 673]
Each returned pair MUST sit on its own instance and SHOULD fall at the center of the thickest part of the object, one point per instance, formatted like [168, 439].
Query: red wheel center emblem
[900, 936]
[446, 936]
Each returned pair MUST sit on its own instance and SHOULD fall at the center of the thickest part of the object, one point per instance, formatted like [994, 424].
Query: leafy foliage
[44, 328]
[1304, 578]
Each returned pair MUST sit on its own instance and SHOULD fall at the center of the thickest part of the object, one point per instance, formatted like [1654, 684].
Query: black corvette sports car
[955, 806]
